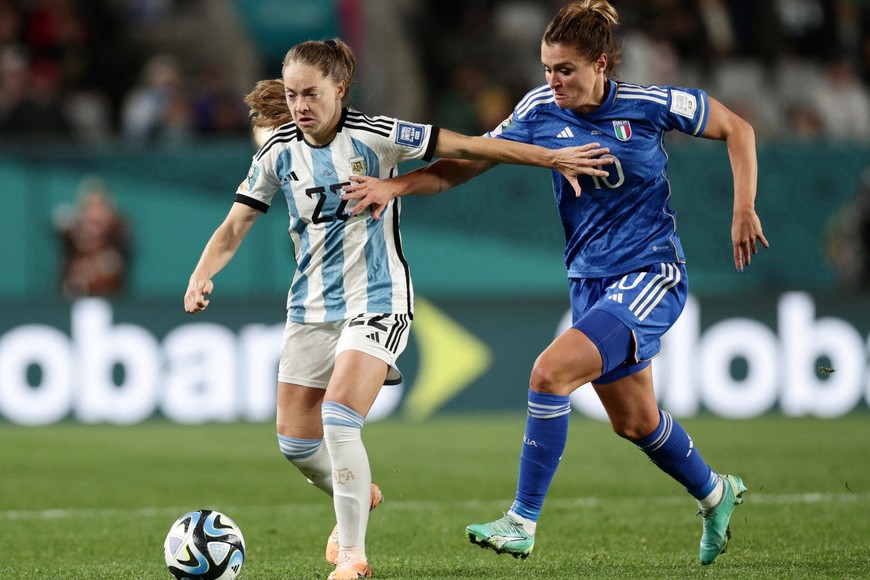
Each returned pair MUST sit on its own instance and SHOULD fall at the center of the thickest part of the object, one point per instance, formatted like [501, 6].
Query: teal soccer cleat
[716, 529]
[506, 536]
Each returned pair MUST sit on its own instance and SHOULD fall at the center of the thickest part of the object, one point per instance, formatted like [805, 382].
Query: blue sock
[673, 451]
[543, 444]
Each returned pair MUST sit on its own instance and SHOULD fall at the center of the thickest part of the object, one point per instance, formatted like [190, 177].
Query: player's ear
[341, 90]
[601, 63]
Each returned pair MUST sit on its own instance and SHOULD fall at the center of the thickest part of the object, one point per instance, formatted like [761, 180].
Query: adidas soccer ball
[204, 545]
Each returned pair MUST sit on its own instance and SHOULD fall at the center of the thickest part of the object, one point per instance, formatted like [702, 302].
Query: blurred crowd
[72, 69]
[797, 69]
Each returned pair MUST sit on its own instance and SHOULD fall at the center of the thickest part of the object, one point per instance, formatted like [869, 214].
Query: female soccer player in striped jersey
[625, 264]
[350, 303]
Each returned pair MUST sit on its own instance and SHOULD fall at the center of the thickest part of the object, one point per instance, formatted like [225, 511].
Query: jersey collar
[338, 129]
[609, 99]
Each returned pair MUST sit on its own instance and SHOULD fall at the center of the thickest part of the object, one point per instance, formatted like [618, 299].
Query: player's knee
[631, 428]
[547, 378]
[626, 431]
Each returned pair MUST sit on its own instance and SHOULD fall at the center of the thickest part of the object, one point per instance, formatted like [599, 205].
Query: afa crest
[622, 130]
[343, 475]
[358, 165]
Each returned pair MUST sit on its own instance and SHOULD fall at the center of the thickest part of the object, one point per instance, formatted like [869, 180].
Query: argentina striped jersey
[621, 222]
[344, 265]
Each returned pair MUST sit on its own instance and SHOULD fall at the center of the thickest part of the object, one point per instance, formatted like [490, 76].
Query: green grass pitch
[95, 502]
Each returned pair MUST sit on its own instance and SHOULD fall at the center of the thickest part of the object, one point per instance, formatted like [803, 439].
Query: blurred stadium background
[142, 99]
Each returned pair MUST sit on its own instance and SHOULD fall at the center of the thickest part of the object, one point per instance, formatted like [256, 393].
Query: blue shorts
[647, 302]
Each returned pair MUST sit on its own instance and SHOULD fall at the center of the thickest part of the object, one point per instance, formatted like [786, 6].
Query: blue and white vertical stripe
[344, 265]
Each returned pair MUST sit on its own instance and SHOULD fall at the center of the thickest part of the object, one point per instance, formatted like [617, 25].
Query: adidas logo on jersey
[374, 336]
[565, 133]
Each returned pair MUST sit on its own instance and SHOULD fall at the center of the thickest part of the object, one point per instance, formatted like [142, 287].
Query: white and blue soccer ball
[204, 545]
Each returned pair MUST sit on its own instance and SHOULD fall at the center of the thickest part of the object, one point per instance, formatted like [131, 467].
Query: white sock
[316, 467]
[712, 500]
[528, 524]
[352, 482]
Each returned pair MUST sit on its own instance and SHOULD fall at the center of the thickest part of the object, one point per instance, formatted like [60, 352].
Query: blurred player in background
[847, 239]
[351, 300]
[95, 243]
[626, 267]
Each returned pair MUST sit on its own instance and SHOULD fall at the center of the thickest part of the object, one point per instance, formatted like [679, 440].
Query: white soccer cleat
[332, 545]
[506, 535]
[347, 568]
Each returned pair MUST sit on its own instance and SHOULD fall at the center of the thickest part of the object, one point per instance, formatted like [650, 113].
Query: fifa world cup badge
[358, 165]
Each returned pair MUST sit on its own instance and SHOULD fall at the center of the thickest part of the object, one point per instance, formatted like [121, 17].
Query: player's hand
[195, 297]
[745, 235]
[572, 162]
[371, 192]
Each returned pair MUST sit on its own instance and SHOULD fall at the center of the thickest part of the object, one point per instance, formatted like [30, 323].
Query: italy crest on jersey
[622, 130]
[357, 165]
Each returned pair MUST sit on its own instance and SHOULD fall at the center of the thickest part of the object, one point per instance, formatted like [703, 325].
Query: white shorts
[309, 352]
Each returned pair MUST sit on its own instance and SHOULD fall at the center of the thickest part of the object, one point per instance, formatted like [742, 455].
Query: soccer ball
[204, 545]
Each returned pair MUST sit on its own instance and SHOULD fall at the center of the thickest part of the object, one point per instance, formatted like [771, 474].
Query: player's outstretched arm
[569, 161]
[429, 179]
[724, 124]
[218, 252]
[468, 157]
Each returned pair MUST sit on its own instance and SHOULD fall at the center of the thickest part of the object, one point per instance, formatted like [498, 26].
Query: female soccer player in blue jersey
[626, 266]
[351, 301]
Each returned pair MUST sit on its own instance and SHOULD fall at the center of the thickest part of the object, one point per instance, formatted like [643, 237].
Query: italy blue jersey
[345, 265]
[622, 222]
